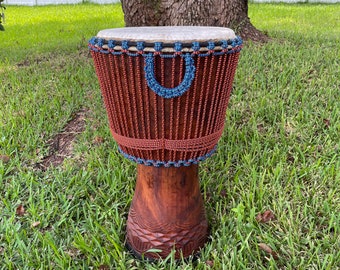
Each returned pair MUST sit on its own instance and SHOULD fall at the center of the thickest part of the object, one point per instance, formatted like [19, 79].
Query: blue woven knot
[178, 46]
[239, 40]
[211, 45]
[138, 160]
[196, 46]
[92, 41]
[111, 44]
[125, 45]
[100, 42]
[149, 162]
[224, 44]
[158, 46]
[140, 45]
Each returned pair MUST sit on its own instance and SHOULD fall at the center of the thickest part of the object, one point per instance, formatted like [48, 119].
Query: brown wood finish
[167, 212]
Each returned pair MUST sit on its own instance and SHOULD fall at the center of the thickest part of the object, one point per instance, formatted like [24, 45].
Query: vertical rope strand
[155, 125]
[206, 97]
[141, 113]
[211, 127]
[162, 108]
[192, 113]
[171, 116]
[146, 108]
[224, 97]
[201, 90]
[186, 122]
[123, 93]
[222, 89]
[128, 102]
[116, 116]
[179, 113]
[166, 130]
[134, 69]
[120, 96]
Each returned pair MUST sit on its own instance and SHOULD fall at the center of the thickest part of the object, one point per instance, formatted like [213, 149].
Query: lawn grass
[279, 152]
[62, 28]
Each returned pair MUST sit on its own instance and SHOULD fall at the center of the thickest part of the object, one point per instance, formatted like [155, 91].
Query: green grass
[42, 29]
[307, 20]
[280, 149]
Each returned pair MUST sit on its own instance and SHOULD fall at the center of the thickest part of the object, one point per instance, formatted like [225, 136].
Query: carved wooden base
[167, 212]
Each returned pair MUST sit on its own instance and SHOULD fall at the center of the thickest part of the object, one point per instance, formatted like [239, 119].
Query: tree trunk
[225, 13]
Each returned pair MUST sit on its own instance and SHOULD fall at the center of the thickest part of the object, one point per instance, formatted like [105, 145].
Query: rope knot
[196, 46]
[100, 42]
[158, 46]
[211, 45]
[92, 41]
[140, 46]
[178, 47]
[111, 44]
[224, 44]
[125, 45]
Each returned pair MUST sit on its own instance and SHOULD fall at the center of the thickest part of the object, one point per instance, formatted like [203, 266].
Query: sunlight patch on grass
[34, 30]
[307, 20]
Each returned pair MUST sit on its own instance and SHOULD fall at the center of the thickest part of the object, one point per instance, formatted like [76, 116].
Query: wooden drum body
[166, 91]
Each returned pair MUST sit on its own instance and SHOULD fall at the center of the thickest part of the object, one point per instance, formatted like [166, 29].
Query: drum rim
[101, 44]
[167, 34]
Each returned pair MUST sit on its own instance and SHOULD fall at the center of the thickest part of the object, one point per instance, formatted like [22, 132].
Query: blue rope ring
[170, 163]
[169, 92]
[228, 46]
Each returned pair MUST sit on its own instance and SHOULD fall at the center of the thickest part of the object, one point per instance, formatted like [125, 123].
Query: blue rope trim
[167, 164]
[162, 91]
[228, 46]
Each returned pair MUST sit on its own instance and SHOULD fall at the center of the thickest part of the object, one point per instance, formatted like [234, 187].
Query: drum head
[185, 34]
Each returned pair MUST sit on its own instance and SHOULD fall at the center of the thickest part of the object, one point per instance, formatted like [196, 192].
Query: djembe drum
[166, 91]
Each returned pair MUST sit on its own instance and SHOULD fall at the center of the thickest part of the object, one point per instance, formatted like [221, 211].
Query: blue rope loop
[228, 46]
[170, 163]
[162, 91]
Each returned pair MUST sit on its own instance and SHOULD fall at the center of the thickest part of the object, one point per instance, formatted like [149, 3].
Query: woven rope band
[197, 144]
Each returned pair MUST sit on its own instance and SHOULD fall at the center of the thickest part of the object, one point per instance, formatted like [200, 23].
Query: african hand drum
[166, 91]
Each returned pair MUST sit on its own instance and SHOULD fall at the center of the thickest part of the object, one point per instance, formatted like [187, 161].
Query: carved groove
[183, 238]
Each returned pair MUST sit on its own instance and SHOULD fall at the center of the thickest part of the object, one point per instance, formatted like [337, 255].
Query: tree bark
[225, 13]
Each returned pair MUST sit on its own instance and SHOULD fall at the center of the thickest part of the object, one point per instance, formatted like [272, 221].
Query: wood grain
[167, 212]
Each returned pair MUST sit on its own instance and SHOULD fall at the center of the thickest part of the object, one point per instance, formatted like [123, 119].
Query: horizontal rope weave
[196, 144]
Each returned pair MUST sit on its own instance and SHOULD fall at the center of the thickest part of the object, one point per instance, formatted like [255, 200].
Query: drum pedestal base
[167, 213]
